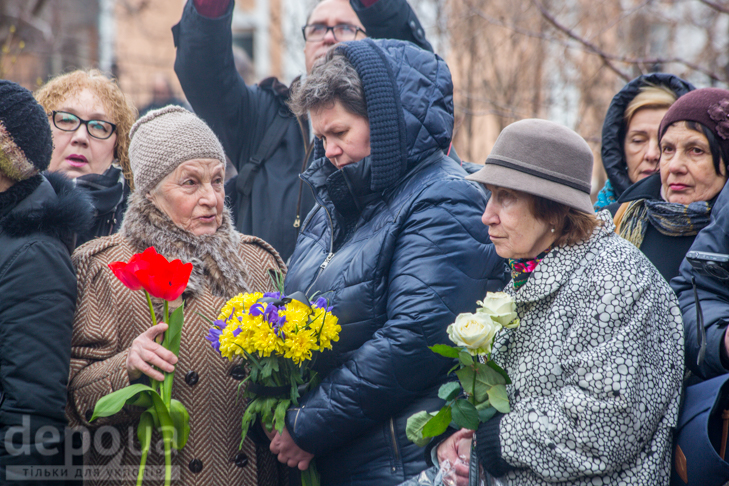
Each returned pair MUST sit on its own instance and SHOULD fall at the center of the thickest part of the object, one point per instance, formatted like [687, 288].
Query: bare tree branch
[606, 59]
[716, 6]
[38, 7]
[610, 59]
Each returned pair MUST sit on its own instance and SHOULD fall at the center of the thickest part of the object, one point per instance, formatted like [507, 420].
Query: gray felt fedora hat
[541, 158]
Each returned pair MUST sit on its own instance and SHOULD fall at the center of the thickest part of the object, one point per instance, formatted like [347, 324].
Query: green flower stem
[142, 465]
[472, 398]
[153, 383]
[167, 395]
[168, 460]
[167, 321]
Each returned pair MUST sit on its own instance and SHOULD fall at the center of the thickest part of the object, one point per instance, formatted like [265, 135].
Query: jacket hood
[55, 208]
[409, 95]
[613, 128]
[647, 188]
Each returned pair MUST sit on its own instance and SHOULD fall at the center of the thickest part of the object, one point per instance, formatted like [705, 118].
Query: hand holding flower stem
[163, 280]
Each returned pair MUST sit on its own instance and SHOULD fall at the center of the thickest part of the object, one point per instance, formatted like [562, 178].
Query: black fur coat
[38, 220]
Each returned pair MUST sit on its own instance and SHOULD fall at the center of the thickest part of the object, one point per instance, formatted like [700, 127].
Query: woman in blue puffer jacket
[395, 242]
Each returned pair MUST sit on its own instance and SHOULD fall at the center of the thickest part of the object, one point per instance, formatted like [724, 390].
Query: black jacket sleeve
[38, 289]
[713, 295]
[392, 19]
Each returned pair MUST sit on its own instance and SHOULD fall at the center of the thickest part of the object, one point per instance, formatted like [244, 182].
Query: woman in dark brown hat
[597, 362]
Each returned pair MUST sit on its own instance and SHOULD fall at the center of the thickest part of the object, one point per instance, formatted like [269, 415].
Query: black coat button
[238, 373]
[191, 378]
[241, 460]
[89, 414]
[196, 466]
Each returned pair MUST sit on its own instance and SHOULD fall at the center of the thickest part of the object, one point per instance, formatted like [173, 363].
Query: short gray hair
[332, 79]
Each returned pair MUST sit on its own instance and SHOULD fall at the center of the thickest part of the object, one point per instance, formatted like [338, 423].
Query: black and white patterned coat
[596, 369]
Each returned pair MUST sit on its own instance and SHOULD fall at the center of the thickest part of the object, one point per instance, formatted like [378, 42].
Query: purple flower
[236, 332]
[256, 309]
[273, 295]
[214, 338]
[321, 303]
[271, 314]
[278, 327]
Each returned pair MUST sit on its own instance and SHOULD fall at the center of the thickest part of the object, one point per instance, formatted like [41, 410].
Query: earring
[552, 230]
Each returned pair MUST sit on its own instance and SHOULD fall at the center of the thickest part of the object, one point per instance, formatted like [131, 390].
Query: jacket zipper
[394, 444]
[330, 255]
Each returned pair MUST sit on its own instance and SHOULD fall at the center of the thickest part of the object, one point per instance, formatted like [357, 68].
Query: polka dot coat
[596, 369]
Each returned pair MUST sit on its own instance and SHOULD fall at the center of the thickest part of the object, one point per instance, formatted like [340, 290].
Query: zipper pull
[326, 262]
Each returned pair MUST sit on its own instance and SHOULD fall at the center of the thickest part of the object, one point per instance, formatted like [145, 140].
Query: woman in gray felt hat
[597, 362]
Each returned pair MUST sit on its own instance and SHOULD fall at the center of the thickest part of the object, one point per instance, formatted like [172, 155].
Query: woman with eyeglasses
[90, 120]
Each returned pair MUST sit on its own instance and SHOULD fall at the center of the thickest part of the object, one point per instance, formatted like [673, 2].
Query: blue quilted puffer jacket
[397, 245]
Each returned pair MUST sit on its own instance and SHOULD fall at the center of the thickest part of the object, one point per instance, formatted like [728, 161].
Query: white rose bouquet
[481, 387]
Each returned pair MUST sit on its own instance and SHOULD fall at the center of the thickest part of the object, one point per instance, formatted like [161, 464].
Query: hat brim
[497, 175]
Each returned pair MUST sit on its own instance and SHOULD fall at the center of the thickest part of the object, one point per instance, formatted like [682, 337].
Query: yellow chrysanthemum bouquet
[278, 337]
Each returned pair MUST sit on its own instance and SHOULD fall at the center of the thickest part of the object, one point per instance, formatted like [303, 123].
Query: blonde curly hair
[122, 111]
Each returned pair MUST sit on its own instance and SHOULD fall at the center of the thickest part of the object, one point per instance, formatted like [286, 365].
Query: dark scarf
[522, 268]
[106, 190]
[671, 219]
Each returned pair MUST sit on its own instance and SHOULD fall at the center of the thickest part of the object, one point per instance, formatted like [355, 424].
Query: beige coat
[109, 317]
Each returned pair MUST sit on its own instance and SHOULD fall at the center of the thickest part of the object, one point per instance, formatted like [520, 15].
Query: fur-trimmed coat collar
[215, 258]
[49, 204]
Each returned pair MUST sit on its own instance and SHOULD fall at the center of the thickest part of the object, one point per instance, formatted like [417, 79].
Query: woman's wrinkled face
[77, 153]
[193, 195]
[641, 143]
[687, 167]
[346, 136]
[513, 229]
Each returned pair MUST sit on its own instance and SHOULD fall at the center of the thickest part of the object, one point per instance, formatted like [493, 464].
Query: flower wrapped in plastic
[278, 337]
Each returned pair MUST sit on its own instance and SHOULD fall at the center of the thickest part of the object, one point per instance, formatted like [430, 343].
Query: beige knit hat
[163, 139]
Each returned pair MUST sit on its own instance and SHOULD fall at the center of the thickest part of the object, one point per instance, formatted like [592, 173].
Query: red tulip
[126, 271]
[151, 271]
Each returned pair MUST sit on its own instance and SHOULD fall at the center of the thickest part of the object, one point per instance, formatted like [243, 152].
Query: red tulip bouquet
[164, 280]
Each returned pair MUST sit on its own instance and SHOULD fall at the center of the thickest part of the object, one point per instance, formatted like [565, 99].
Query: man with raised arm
[268, 145]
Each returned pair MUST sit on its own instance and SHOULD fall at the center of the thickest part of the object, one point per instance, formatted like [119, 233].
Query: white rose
[474, 331]
[501, 308]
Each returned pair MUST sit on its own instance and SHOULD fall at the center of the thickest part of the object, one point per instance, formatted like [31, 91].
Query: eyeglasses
[341, 32]
[68, 122]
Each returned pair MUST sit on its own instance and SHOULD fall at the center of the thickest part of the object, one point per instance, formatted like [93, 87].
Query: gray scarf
[215, 259]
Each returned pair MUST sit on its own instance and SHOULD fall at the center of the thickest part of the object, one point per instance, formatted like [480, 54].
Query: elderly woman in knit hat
[597, 361]
[662, 214]
[38, 217]
[177, 207]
